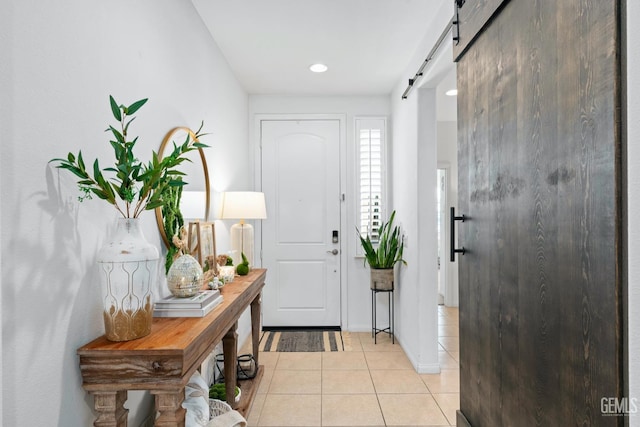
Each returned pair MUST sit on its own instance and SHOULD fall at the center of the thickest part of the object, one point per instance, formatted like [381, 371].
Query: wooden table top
[174, 348]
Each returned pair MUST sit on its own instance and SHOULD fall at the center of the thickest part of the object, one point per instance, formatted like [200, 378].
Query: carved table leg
[255, 327]
[110, 408]
[230, 350]
[169, 407]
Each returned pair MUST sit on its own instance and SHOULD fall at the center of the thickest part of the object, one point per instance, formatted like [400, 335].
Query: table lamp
[242, 205]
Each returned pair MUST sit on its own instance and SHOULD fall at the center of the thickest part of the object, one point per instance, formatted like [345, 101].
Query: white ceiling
[367, 44]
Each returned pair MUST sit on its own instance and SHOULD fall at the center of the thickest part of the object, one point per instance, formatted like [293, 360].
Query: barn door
[539, 168]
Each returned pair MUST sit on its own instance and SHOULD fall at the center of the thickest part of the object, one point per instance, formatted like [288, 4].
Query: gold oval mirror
[195, 170]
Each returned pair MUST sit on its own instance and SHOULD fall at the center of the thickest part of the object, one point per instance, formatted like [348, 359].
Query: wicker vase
[382, 279]
[128, 272]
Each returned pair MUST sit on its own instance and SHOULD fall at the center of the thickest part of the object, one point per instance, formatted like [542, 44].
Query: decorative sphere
[184, 278]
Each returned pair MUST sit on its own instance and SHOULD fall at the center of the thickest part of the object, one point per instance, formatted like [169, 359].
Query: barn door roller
[455, 23]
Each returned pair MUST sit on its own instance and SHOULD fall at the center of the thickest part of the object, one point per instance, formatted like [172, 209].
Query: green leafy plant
[219, 391]
[134, 186]
[173, 221]
[389, 247]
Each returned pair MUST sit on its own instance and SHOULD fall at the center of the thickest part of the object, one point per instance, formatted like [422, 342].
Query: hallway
[366, 385]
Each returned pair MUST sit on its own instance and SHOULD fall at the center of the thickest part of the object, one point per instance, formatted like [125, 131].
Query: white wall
[633, 194]
[414, 198]
[5, 67]
[414, 172]
[355, 278]
[60, 63]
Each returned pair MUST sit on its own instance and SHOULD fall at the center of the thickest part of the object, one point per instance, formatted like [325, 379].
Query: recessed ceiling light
[318, 68]
[452, 92]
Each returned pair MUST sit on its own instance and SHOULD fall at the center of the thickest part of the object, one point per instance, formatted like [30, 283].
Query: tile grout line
[321, 388]
[441, 410]
[324, 364]
[384, 420]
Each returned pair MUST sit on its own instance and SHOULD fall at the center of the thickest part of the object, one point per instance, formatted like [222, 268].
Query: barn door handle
[454, 250]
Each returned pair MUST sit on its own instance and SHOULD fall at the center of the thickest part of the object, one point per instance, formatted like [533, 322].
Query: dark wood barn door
[539, 179]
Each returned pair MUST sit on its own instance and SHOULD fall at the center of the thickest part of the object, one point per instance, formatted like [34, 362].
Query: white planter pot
[128, 270]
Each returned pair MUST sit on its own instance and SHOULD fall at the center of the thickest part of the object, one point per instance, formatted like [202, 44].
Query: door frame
[255, 145]
[450, 288]
[444, 233]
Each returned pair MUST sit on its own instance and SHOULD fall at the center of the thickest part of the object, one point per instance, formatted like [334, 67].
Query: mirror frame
[166, 141]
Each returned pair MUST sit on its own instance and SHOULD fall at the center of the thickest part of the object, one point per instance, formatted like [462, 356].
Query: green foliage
[219, 391]
[243, 268]
[173, 220]
[134, 186]
[390, 246]
[206, 267]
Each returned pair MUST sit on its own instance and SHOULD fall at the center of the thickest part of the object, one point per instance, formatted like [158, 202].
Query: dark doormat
[302, 340]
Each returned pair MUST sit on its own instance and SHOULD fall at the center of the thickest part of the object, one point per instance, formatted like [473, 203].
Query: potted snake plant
[383, 255]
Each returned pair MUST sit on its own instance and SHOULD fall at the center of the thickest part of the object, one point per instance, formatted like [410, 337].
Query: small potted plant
[226, 270]
[383, 255]
[219, 391]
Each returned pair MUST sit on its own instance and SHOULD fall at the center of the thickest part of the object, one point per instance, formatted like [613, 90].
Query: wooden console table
[163, 361]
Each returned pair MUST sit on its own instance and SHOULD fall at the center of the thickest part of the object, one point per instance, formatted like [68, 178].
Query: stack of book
[196, 306]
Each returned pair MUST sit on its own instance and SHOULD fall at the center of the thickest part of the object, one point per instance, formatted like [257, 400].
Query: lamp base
[241, 236]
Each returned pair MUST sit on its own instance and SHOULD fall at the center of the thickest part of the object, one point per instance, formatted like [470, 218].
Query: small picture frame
[202, 242]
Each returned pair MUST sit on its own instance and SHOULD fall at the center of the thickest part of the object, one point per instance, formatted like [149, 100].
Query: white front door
[301, 237]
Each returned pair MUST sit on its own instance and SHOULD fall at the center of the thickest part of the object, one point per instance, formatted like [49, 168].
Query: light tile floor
[371, 385]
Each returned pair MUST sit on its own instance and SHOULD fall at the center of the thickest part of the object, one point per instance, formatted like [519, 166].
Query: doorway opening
[447, 186]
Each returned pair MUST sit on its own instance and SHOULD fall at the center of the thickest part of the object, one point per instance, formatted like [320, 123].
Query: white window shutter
[370, 140]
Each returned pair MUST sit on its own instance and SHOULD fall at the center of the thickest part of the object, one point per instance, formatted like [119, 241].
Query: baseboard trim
[428, 368]
[358, 328]
[461, 420]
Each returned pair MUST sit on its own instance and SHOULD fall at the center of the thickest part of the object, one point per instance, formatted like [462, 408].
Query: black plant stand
[374, 328]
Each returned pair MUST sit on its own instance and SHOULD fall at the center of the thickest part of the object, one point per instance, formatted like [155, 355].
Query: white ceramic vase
[128, 270]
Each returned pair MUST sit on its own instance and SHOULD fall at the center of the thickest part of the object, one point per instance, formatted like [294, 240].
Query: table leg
[255, 327]
[169, 408]
[230, 351]
[110, 408]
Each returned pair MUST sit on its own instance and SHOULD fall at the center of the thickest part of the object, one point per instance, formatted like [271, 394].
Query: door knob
[334, 252]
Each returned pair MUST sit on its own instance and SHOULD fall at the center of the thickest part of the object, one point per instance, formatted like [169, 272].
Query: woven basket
[218, 407]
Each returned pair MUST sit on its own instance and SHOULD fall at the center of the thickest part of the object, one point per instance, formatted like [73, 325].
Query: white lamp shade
[243, 205]
[193, 205]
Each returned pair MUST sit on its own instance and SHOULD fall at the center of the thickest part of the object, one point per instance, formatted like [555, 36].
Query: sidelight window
[370, 141]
